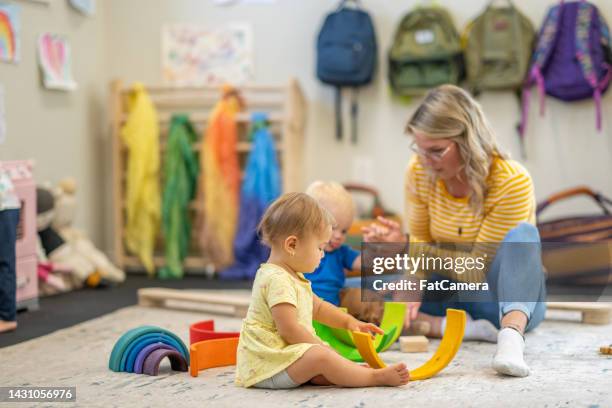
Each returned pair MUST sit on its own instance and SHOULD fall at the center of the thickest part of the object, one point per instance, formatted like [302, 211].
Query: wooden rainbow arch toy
[142, 349]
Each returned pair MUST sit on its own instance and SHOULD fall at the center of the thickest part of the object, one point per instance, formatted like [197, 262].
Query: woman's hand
[359, 326]
[385, 230]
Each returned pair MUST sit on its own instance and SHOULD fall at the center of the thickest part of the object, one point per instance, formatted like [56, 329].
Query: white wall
[563, 148]
[62, 131]
[66, 133]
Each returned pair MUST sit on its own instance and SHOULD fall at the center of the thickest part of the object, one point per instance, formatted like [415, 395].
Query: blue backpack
[346, 54]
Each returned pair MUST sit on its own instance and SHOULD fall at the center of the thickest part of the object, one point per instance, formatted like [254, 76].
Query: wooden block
[592, 312]
[413, 344]
[606, 350]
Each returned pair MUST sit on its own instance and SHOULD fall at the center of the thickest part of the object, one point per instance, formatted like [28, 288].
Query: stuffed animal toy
[55, 248]
[65, 211]
[66, 246]
[53, 278]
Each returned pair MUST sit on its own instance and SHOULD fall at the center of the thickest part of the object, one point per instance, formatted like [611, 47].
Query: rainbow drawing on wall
[10, 43]
[55, 62]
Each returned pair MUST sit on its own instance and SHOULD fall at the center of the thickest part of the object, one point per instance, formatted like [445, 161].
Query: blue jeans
[517, 269]
[8, 236]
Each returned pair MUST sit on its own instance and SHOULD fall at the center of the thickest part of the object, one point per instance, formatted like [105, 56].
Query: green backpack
[498, 46]
[426, 52]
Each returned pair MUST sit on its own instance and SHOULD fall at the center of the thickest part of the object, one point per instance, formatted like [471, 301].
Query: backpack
[572, 58]
[346, 55]
[498, 45]
[426, 52]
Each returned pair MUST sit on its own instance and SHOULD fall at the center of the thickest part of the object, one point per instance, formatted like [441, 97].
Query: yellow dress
[262, 352]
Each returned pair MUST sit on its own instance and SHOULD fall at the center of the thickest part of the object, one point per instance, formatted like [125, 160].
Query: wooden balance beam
[592, 312]
[221, 303]
[234, 305]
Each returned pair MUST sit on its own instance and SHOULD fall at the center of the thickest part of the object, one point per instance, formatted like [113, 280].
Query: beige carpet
[567, 371]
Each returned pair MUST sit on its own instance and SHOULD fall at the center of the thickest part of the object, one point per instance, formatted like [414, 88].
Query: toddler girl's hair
[293, 214]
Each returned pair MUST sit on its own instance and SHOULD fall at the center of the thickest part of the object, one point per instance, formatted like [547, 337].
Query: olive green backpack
[498, 45]
[426, 52]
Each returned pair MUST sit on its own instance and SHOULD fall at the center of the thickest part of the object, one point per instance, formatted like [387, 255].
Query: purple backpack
[572, 59]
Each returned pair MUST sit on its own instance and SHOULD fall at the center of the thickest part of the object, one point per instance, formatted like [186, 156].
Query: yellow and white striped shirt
[434, 216]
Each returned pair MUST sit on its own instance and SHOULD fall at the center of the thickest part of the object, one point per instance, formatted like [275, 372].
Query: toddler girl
[278, 347]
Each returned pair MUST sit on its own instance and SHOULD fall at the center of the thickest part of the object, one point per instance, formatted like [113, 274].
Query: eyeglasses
[435, 155]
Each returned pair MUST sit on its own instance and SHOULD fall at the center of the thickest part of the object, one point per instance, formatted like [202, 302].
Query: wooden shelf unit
[286, 110]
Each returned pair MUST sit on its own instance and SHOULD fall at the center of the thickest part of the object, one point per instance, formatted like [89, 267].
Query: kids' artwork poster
[10, 33]
[55, 61]
[194, 55]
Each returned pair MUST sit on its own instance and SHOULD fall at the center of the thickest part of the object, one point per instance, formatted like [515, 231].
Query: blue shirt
[328, 278]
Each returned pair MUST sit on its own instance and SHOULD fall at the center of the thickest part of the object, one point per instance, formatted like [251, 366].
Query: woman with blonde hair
[462, 190]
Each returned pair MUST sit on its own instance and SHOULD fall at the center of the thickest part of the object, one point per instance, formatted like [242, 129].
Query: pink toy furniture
[27, 279]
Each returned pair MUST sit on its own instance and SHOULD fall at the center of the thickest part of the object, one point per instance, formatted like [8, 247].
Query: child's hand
[357, 325]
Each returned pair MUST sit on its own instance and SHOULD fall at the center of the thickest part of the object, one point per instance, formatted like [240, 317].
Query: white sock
[479, 330]
[509, 356]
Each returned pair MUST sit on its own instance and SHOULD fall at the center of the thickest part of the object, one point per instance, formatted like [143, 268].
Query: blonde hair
[293, 214]
[331, 194]
[449, 112]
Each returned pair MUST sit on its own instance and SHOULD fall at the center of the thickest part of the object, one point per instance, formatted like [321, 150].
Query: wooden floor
[567, 370]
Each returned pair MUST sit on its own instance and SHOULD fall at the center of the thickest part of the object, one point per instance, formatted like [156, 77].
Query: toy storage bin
[26, 263]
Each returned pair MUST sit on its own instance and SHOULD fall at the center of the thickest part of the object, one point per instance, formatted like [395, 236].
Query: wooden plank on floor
[592, 312]
[222, 303]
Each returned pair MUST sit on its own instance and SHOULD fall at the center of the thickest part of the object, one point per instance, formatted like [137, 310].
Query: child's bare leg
[336, 369]
[320, 380]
